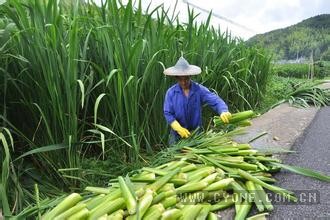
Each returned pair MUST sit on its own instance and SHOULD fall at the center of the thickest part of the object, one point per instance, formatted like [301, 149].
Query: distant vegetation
[309, 37]
[320, 69]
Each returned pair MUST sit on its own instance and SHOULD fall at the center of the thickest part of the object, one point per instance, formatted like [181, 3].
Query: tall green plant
[82, 80]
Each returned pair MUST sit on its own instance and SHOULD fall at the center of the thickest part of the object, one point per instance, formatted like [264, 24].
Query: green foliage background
[311, 36]
[82, 83]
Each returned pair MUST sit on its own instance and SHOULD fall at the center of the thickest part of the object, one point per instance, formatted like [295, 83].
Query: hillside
[311, 36]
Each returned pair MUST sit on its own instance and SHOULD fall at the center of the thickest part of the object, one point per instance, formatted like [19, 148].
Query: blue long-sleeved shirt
[188, 110]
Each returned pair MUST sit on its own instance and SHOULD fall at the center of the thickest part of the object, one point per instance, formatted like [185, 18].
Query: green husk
[159, 197]
[117, 215]
[169, 202]
[191, 187]
[204, 212]
[163, 180]
[171, 214]
[191, 212]
[225, 203]
[166, 187]
[188, 168]
[210, 179]
[107, 207]
[71, 211]
[67, 203]
[154, 212]
[82, 214]
[143, 205]
[212, 216]
[95, 201]
[237, 117]
[199, 174]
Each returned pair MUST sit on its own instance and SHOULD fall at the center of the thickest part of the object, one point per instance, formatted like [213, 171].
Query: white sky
[259, 16]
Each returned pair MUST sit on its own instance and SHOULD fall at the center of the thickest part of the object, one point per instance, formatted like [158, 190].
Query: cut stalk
[163, 180]
[225, 203]
[215, 195]
[255, 195]
[98, 190]
[237, 200]
[261, 216]
[191, 187]
[150, 177]
[263, 197]
[244, 210]
[214, 162]
[130, 200]
[175, 164]
[276, 189]
[154, 170]
[221, 184]
[240, 190]
[143, 205]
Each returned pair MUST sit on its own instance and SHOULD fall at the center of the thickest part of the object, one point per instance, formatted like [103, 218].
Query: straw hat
[182, 68]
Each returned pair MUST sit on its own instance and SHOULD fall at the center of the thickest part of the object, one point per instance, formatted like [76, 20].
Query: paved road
[313, 151]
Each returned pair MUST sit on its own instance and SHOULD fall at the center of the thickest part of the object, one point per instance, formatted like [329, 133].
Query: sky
[245, 18]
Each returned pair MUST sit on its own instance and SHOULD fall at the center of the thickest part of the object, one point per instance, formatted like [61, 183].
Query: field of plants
[82, 83]
[82, 90]
[320, 69]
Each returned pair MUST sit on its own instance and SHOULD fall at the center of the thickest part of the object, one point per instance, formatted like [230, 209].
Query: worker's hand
[225, 116]
[183, 132]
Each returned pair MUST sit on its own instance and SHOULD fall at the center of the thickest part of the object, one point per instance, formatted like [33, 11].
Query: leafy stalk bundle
[210, 174]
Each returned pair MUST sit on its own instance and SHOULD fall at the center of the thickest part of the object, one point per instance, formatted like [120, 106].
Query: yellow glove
[225, 116]
[183, 132]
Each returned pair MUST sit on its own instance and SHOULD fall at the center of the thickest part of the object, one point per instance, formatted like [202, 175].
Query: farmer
[184, 100]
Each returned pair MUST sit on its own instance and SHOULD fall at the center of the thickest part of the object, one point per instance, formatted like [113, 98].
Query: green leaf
[82, 90]
[4, 177]
[305, 172]
[96, 106]
[43, 149]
